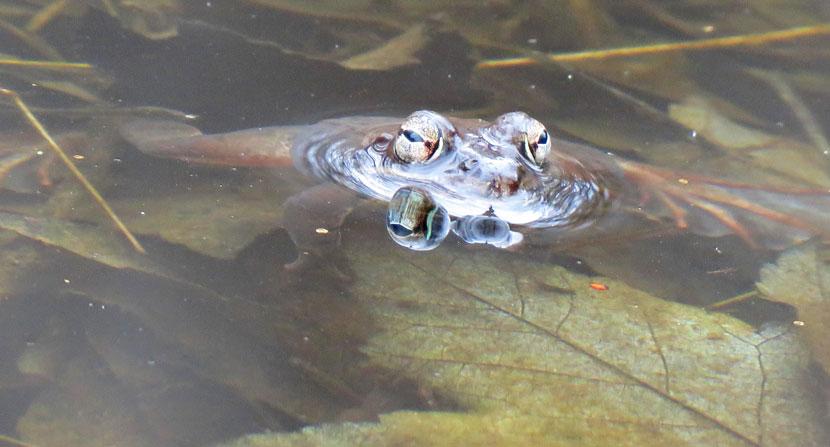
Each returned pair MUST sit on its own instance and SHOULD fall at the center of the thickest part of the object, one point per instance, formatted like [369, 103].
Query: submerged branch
[49, 65]
[35, 123]
[703, 44]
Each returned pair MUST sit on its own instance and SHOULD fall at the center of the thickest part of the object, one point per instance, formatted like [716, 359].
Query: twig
[32, 40]
[49, 65]
[45, 15]
[703, 44]
[737, 299]
[99, 110]
[15, 441]
[24, 109]
[808, 122]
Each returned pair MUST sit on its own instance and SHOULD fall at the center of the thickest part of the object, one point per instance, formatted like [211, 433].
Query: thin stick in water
[702, 44]
[737, 299]
[35, 123]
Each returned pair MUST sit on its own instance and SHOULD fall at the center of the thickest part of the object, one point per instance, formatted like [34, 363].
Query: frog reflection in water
[486, 182]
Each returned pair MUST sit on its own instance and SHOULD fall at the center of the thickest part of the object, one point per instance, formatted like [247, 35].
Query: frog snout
[500, 177]
[503, 186]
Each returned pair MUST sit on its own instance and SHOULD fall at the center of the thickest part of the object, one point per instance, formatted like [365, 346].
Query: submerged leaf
[83, 240]
[771, 152]
[196, 320]
[535, 355]
[398, 52]
[153, 19]
[214, 224]
[801, 278]
[89, 409]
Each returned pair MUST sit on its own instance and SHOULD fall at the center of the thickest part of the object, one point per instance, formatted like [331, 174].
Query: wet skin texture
[480, 169]
[511, 170]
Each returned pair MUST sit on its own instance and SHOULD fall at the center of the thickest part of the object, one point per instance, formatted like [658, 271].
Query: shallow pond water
[693, 313]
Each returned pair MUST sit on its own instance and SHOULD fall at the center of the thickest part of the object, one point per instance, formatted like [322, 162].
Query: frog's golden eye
[419, 140]
[535, 144]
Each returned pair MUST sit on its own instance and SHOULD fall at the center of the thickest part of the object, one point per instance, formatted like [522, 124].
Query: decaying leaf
[494, 24]
[90, 409]
[397, 52]
[153, 19]
[214, 224]
[697, 114]
[85, 240]
[535, 356]
[801, 278]
[774, 153]
[198, 321]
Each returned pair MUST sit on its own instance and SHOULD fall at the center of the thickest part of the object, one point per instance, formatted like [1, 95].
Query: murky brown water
[636, 334]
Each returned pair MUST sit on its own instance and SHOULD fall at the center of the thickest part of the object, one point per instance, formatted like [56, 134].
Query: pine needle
[46, 15]
[35, 123]
[737, 299]
[49, 65]
[15, 441]
[703, 44]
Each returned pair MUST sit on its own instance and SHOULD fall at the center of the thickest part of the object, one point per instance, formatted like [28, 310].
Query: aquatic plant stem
[15, 441]
[808, 122]
[34, 122]
[46, 15]
[49, 65]
[703, 44]
[737, 299]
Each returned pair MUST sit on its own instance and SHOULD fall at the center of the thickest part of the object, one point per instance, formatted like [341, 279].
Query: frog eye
[535, 144]
[415, 221]
[419, 140]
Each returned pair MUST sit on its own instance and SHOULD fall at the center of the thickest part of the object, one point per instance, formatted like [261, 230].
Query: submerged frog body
[487, 182]
[475, 168]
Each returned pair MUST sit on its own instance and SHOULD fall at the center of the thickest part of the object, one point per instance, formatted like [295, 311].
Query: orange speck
[598, 286]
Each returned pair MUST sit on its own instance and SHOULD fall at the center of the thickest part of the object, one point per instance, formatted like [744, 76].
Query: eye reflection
[415, 221]
[486, 229]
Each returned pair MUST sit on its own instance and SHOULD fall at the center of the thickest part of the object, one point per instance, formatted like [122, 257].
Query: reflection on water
[640, 333]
